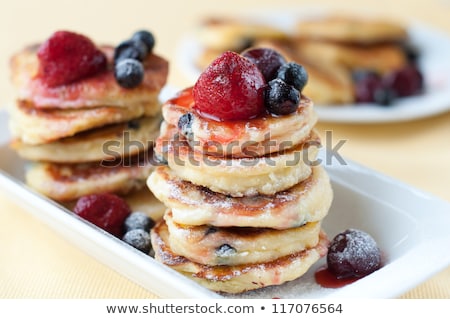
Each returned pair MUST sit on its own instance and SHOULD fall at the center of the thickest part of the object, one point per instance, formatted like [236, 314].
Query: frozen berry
[267, 60]
[67, 57]
[225, 251]
[139, 239]
[130, 49]
[146, 37]
[411, 51]
[129, 73]
[185, 125]
[281, 98]
[107, 211]
[138, 220]
[405, 82]
[231, 88]
[293, 74]
[365, 87]
[384, 96]
[353, 253]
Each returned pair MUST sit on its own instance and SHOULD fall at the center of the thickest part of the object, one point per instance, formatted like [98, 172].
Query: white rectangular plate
[410, 226]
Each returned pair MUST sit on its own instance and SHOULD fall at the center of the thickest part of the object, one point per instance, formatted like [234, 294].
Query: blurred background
[416, 152]
[24, 22]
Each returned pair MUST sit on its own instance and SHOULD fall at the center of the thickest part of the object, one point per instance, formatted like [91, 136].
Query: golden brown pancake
[91, 92]
[230, 246]
[67, 182]
[111, 141]
[352, 29]
[237, 176]
[217, 35]
[381, 58]
[40, 126]
[246, 138]
[238, 278]
[307, 201]
[226, 33]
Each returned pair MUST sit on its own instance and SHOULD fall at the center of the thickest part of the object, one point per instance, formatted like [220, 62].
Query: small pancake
[239, 278]
[237, 176]
[246, 138]
[112, 141]
[234, 34]
[307, 201]
[351, 29]
[40, 126]
[99, 90]
[67, 182]
[230, 246]
[327, 84]
[381, 58]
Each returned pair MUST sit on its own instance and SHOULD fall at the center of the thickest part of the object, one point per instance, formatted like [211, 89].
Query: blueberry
[366, 83]
[185, 125]
[134, 124]
[384, 96]
[139, 239]
[146, 37]
[225, 251]
[129, 73]
[281, 98]
[130, 49]
[411, 52]
[359, 75]
[293, 74]
[353, 253]
[138, 220]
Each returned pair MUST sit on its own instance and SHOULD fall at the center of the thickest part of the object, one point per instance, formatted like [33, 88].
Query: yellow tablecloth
[35, 262]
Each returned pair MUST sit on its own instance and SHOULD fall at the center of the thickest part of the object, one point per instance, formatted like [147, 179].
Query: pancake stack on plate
[87, 136]
[245, 198]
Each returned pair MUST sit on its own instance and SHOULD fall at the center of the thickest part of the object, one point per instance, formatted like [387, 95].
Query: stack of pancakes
[245, 199]
[331, 48]
[89, 136]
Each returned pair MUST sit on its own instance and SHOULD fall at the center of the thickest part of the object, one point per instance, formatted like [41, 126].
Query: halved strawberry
[67, 57]
[231, 88]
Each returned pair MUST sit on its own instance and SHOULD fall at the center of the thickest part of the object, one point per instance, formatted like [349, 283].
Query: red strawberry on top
[67, 57]
[231, 88]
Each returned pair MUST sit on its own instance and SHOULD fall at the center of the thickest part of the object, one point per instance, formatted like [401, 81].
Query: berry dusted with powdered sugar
[230, 88]
[107, 211]
[185, 125]
[353, 254]
[129, 73]
[67, 57]
[267, 60]
[139, 239]
[281, 98]
[138, 220]
[293, 74]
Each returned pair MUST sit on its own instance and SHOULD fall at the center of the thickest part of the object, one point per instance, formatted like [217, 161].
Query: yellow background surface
[35, 262]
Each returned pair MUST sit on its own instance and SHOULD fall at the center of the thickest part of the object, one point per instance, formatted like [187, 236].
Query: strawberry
[67, 57]
[231, 88]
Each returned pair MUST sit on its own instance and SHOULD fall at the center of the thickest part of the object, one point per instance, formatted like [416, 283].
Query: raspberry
[267, 60]
[67, 57]
[231, 88]
[107, 211]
